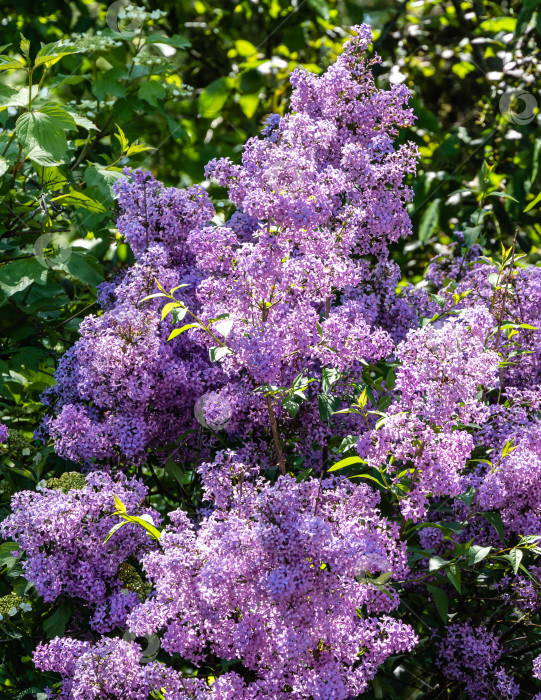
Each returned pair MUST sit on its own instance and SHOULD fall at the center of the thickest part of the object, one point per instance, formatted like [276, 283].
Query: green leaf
[43, 158]
[55, 625]
[440, 600]
[56, 114]
[515, 557]
[6, 95]
[495, 519]
[172, 468]
[108, 85]
[168, 308]
[384, 403]
[135, 148]
[533, 203]
[25, 46]
[348, 443]
[327, 405]
[122, 140]
[151, 91]
[508, 448]
[436, 563]
[21, 97]
[218, 352]
[102, 178]
[121, 508]
[471, 234]
[224, 327]
[178, 331]
[249, 103]
[477, 554]
[347, 462]
[440, 301]
[11, 63]
[112, 531]
[429, 221]
[79, 200]
[49, 54]
[84, 267]
[6, 557]
[154, 296]
[291, 405]
[179, 313]
[83, 121]
[42, 132]
[179, 42]
[363, 398]
[453, 573]
[213, 97]
[18, 275]
[390, 380]
[502, 195]
[329, 377]
[144, 521]
[4, 166]
[367, 476]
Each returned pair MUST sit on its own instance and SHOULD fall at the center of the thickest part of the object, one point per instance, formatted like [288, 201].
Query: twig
[275, 436]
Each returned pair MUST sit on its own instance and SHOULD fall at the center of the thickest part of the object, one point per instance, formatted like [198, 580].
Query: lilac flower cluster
[322, 187]
[513, 485]
[153, 214]
[471, 654]
[521, 591]
[62, 535]
[509, 484]
[437, 385]
[281, 580]
[3, 433]
[537, 667]
[122, 387]
[110, 668]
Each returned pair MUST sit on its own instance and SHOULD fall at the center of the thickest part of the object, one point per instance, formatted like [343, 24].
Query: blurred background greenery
[173, 84]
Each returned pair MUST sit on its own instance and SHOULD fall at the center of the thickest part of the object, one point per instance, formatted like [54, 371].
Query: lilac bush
[304, 478]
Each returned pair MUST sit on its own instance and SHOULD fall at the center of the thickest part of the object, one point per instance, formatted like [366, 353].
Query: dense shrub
[350, 472]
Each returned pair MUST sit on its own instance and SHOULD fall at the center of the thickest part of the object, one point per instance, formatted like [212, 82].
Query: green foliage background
[192, 85]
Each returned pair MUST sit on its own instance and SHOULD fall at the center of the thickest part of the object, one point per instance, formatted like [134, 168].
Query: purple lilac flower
[110, 668]
[470, 653]
[62, 535]
[282, 580]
